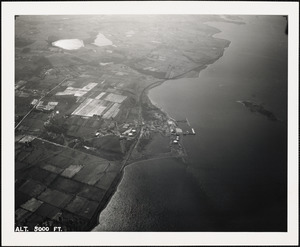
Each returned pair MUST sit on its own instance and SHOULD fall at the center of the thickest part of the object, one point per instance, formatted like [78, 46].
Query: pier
[188, 132]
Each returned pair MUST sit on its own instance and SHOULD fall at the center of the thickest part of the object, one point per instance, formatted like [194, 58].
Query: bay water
[236, 177]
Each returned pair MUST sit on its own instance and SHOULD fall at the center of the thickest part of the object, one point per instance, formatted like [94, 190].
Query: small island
[255, 107]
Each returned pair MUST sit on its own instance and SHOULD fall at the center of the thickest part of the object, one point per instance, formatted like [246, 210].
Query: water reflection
[69, 44]
[101, 40]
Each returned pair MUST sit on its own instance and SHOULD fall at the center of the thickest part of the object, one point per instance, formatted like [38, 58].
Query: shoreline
[144, 97]
[158, 108]
[181, 76]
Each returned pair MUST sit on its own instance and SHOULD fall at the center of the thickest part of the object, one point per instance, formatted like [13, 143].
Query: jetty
[192, 132]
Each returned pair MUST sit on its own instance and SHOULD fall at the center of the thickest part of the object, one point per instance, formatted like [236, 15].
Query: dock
[189, 125]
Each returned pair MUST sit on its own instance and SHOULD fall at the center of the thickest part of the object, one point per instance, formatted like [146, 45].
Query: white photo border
[11, 238]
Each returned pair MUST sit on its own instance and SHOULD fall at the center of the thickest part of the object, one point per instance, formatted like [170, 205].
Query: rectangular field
[91, 173]
[63, 184]
[78, 91]
[112, 112]
[116, 98]
[82, 207]
[100, 95]
[91, 107]
[55, 198]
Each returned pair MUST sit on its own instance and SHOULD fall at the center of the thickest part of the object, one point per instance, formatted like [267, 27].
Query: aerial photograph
[151, 123]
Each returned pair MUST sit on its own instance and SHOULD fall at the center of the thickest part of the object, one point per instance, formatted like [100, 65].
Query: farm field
[58, 184]
[82, 111]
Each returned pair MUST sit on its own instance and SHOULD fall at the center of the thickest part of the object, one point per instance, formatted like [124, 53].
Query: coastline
[145, 98]
[194, 111]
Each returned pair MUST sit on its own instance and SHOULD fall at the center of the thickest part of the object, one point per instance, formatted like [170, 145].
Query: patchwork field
[58, 184]
[91, 107]
[108, 107]
[72, 106]
[115, 98]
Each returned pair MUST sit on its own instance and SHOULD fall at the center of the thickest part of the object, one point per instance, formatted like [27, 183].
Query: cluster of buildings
[175, 130]
[130, 132]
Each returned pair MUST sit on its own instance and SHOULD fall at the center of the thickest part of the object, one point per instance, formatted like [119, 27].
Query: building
[178, 131]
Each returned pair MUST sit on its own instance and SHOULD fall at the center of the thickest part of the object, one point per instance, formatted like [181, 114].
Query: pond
[69, 44]
[101, 40]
